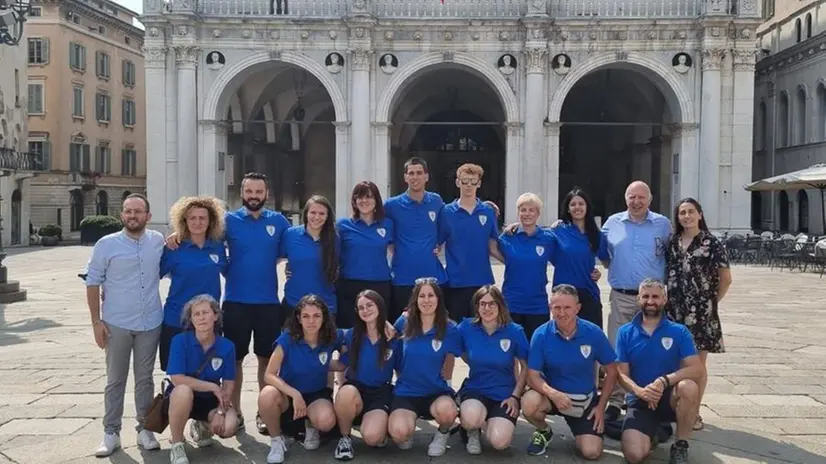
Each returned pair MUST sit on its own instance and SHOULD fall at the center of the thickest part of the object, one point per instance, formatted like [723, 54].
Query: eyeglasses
[425, 280]
[488, 304]
[473, 182]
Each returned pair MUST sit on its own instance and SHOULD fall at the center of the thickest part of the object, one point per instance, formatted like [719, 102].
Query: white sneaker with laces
[147, 441]
[474, 442]
[277, 450]
[406, 445]
[177, 455]
[312, 439]
[201, 434]
[111, 442]
[438, 445]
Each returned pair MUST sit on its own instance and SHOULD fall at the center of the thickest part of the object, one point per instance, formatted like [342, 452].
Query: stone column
[742, 146]
[343, 187]
[211, 181]
[512, 163]
[551, 198]
[709, 175]
[186, 59]
[381, 162]
[360, 154]
[534, 168]
[688, 174]
[156, 169]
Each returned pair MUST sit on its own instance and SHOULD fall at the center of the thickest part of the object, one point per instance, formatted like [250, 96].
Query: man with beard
[659, 367]
[126, 265]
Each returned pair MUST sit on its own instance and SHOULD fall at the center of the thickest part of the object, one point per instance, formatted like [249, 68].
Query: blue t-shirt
[186, 356]
[364, 249]
[490, 357]
[573, 259]
[655, 355]
[423, 360]
[369, 372]
[526, 270]
[466, 236]
[306, 268]
[304, 367]
[568, 365]
[416, 235]
[192, 271]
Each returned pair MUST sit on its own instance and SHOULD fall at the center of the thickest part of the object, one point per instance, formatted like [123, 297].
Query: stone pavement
[766, 400]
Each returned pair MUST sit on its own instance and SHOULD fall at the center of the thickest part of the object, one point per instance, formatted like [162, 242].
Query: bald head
[638, 199]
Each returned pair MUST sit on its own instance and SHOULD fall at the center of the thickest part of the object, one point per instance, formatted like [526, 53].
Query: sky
[134, 5]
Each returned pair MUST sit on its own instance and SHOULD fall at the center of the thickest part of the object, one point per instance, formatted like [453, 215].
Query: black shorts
[418, 404]
[591, 309]
[168, 332]
[242, 320]
[494, 408]
[373, 398]
[579, 425]
[459, 305]
[638, 416]
[202, 404]
[530, 322]
[346, 293]
[400, 297]
[292, 427]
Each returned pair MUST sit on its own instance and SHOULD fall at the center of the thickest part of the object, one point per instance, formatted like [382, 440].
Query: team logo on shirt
[667, 342]
[432, 215]
[389, 354]
[436, 344]
[381, 231]
[483, 220]
[216, 363]
[322, 358]
[505, 344]
[271, 230]
[540, 250]
[213, 257]
[585, 350]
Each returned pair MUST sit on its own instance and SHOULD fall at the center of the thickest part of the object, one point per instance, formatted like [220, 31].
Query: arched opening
[798, 30]
[756, 210]
[616, 129]
[762, 127]
[16, 217]
[809, 26]
[821, 112]
[783, 120]
[102, 203]
[449, 116]
[784, 211]
[800, 117]
[76, 213]
[802, 211]
[126, 193]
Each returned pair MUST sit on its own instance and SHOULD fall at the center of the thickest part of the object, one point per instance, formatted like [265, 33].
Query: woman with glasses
[492, 345]
[430, 344]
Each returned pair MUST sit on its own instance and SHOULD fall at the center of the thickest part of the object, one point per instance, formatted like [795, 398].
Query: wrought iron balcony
[13, 160]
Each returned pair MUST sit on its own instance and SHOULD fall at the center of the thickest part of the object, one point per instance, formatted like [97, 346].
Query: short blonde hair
[215, 211]
[471, 170]
[529, 198]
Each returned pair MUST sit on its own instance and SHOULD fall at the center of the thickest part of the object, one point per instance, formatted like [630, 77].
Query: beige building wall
[86, 57]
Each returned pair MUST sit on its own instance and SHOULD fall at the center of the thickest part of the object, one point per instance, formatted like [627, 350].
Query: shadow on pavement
[8, 331]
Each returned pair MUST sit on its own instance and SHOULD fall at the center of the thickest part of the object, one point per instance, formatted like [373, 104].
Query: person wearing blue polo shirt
[563, 360]
[366, 237]
[202, 375]
[467, 227]
[371, 359]
[430, 344]
[492, 345]
[195, 267]
[312, 251]
[660, 369]
[526, 253]
[297, 377]
[415, 216]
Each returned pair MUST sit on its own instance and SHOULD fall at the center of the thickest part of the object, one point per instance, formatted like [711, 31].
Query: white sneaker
[201, 434]
[147, 441]
[111, 442]
[406, 445]
[277, 450]
[438, 445]
[383, 443]
[177, 455]
[474, 443]
[312, 439]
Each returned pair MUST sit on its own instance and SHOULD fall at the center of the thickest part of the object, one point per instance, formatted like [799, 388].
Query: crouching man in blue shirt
[659, 367]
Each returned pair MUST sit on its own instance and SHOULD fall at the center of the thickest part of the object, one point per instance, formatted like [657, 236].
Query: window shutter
[72, 57]
[45, 50]
[46, 156]
[98, 159]
[98, 70]
[123, 72]
[86, 161]
[82, 57]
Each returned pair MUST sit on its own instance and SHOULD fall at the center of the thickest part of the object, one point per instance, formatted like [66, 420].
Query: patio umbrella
[811, 177]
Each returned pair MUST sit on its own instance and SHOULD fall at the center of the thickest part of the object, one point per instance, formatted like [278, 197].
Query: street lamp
[12, 16]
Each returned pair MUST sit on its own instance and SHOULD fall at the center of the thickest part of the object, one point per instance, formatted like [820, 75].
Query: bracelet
[665, 379]
[518, 400]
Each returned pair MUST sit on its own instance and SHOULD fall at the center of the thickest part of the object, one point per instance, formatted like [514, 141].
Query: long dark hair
[678, 228]
[360, 330]
[413, 327]
[591, 229]
[329, 254]
[363, 189]
[327, 332]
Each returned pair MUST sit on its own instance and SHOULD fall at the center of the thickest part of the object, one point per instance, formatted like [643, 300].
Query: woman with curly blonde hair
[195, 266]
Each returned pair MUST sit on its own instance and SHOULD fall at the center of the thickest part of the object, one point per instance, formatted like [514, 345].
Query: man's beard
[250, 207]
[133, 227]
[652, 312]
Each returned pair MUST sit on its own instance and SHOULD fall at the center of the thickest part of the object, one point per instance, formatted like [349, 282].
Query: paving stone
[20, 398]
[797, 389]
[800, 426]
[722, 399]
[781, 400]
[770, 411]
[42, 426]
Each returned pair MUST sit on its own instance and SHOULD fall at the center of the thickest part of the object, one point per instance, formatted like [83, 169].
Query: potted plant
[93, 228]
[49, 234]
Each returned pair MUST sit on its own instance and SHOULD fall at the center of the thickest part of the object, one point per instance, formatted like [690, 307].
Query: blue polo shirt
[466, 237]
[655, 355]
[490, 357]
[573, 259]
[423, 357]
[568, 365]
[186, 356]
[253, 256]
[306, 268]
[304, 367]
[192, 271]
[369, 372]
[364, 249]
[526, 270]
[637, 250]
[415, 236]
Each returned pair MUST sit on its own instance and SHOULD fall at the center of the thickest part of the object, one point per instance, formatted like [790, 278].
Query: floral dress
[693, 281]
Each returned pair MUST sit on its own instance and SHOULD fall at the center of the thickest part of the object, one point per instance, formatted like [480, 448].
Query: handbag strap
[206, 360]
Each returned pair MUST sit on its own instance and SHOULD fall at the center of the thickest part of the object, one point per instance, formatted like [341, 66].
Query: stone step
[12, 297]
[10, 287]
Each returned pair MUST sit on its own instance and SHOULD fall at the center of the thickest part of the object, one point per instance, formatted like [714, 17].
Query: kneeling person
[202, 371]
[563, 363]
[660, 367]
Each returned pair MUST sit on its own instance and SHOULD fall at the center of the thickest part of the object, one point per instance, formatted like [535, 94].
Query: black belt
[627, 292]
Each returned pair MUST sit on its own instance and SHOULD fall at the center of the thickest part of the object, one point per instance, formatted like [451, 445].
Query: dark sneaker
[539, 442]
[241, 425]
[344, 450]
[612, 413]
[679, 453]
[260, 425]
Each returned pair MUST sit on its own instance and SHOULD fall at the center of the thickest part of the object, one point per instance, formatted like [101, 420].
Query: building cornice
[798, 53]
[103, 18]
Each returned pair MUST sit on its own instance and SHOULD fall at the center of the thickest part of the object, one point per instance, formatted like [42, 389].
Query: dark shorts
[639, 416]
[459, 305]
[591, 309]
[530, 322]
[373, 398]
[242, 320]
[292, 427]
[168, 332]
[400, 297]
[494, 408]
[346, 293]
[418, 404]
[202, 405]
[579, 425]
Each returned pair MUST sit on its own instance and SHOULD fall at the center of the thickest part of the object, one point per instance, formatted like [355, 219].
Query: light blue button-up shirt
[128, 272]
[637, 249]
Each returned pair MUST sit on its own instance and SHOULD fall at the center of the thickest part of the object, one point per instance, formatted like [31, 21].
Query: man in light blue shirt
[126, 265]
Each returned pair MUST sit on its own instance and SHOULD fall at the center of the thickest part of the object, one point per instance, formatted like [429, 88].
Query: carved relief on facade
[535, 59]
[334, 62]
[713, 58]
[360, 58]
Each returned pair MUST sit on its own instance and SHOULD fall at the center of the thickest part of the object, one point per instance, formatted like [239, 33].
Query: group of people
[362, 340]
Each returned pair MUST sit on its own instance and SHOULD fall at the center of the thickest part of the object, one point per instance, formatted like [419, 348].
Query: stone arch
[218, 97]
[666, 79]
[407, 72]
